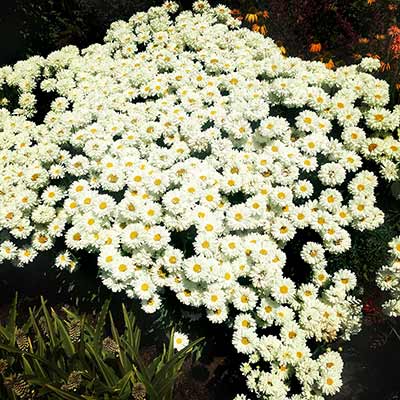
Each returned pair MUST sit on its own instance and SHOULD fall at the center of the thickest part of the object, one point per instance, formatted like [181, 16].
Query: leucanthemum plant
[191, 127]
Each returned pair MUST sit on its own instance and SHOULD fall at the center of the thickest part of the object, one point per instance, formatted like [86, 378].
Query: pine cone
[74, 381]
[139, 391]
[22, 340]
[19, 386]
[3, 366]
[110, 345]
[74, 331]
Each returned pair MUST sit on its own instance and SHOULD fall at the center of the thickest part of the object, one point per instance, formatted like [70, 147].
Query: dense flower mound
[187, 153]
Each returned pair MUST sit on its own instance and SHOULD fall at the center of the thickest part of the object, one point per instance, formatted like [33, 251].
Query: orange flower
[330, 64]
[235, 12]
[315, 47]
[363, 40]
[357, 56]
[380, 36]
[392, 7]
[398, 85]
[251, 18]
[394, 30]
[265, 14]
[373, 56]
[371, 2]
[263, 30]
[385, 66]
[255, 28]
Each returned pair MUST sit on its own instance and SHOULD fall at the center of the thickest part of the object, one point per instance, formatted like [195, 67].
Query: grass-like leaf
[106, 371]
[62, 394]
[11, 325]
[38, 334]
[28, 370]
[124, 362]
[101, 322]
[49, 322]
[66, 341]
[48, 364]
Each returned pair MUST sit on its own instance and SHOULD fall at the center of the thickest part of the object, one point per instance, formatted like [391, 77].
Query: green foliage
[65, 356]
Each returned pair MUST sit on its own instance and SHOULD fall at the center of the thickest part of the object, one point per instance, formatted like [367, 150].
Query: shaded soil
[371, 363]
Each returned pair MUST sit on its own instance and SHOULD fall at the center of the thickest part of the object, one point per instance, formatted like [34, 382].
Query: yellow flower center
[76, 236]
[197, 268]
[283, 289]
[238, 216]
[122, 267]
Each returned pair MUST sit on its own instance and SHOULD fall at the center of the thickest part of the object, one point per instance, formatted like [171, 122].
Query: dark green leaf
[11, 325]
[101, 321]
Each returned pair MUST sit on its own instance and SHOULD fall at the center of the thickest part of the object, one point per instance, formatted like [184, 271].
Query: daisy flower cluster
[378, 138]
[188, 153]
[388, 280]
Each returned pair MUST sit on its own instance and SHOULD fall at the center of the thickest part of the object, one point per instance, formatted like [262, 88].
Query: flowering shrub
[188, 153]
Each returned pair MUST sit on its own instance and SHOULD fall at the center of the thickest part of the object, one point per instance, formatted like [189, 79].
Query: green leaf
[125, 366]
[39, 371]
[107, 372]
[101, 321]
[62, 394]
[81, 347]
[64, 336]
[170, 352]
[50, 365]
[4, 333]
[143, 377]
[70, 314]
[28, 323]
[27, 367]
[11, 325]
[154, 365]
[129, 325]
[38, 334]
[49, 322]
[165, 390]
[122, 385]
[133, 335]
[172, 367]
